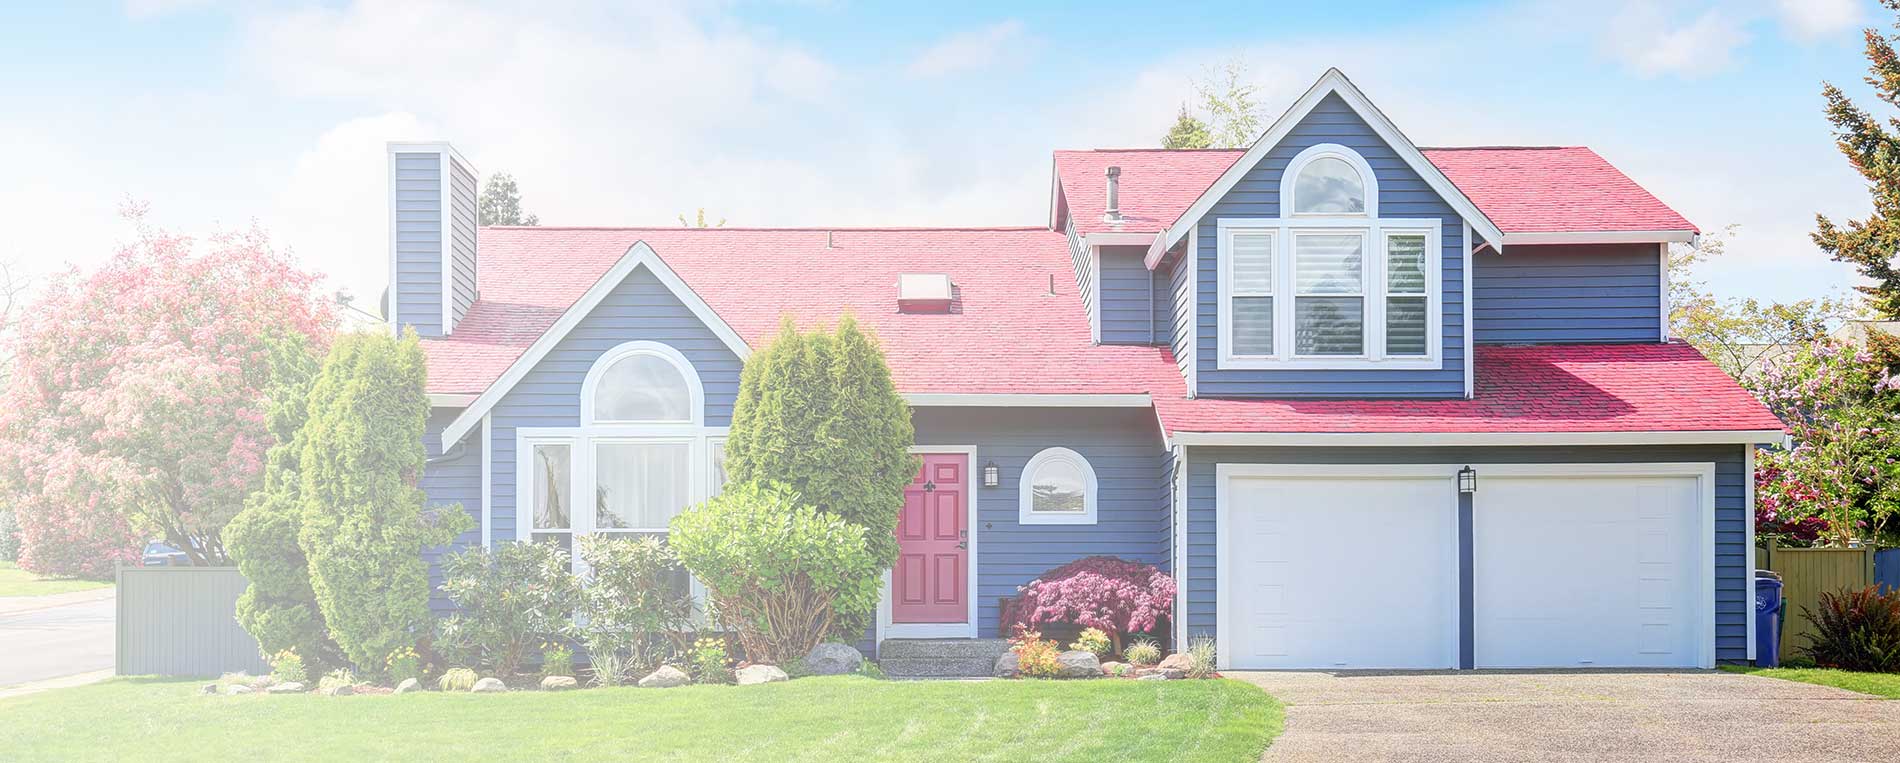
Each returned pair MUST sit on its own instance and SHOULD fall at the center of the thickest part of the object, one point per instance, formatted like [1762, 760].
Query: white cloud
[330, 210]
[969, 51]
[1813, 19]
[1653, 40]
[141, 9]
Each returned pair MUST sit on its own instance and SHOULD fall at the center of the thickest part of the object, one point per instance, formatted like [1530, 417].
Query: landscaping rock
[489, 685]
[559, 683]
[1114, 668]
[1174, 675]
[1005, 665]
[210, 688]
[1152, 677]
[760, 674]
[833, 660]
[234, 689]
[1077, 664]
[408, 685]
[336, 690]
[666, 677]
[288, 687]
[1174, 662]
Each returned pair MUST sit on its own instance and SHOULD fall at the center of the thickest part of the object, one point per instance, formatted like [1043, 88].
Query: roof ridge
[770, 228]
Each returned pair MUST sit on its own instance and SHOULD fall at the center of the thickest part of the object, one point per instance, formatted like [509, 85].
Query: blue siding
[463, 220]
[1123, 446]
[1127, 298]
[549, 396]
[417, 293]
[1545, 294]
[457, 479]
[1402, 193]
[1732, 596]
[1161, 281]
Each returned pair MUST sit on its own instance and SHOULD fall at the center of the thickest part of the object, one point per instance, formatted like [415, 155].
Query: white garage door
[1337, 570]
[1589, 571]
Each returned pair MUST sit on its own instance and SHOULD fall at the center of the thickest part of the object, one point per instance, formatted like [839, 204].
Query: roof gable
[1333, 82]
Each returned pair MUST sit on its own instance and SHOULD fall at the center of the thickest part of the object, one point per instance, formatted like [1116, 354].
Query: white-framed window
[1058, 488]
[1329, 284]
[642, 383]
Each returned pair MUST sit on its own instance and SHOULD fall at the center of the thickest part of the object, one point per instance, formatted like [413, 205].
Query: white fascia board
[1601, 237]
[1055, 194]
[450, 400]
[980, 400]
[1120, 238]
[640, 255]
[1471, 350]
[428, 147]
[1332, 82]
[1462, 439]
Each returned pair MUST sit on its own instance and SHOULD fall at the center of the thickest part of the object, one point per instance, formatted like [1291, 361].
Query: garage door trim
[1704, 474]
[1224, 475]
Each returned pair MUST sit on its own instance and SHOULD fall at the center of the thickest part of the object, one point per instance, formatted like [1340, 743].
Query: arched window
[1058, 488]
[1330, 179]
[642, 383]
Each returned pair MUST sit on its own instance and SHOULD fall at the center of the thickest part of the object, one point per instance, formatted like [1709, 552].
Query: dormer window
[1328, 283]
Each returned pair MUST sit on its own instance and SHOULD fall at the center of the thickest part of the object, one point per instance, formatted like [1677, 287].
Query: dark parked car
[160, 555]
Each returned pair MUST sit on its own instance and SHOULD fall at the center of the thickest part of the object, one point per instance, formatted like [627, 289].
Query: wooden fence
[182, 621]
[1805, 573]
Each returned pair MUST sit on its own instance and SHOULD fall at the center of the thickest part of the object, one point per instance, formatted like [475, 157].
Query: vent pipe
[1112, 212]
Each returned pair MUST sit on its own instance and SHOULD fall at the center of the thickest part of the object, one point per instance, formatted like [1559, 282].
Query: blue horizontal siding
[1402, 194]
[1127, 298]
[1122, 446]
[457, 479]
[1555, 294]
[417, 293]
[1732, 597]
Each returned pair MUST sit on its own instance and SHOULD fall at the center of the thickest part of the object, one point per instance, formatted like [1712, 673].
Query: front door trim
[967, 629]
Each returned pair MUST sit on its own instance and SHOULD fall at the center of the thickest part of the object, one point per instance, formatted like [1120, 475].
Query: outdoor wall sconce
[991, 475]
[1467, 480]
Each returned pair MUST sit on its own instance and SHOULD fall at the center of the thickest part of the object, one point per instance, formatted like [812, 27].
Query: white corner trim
[1178, 565]
[1748, 539]
[1191, 260]
[639, 255]
[1026, 490]
[488, 482]
[695, 389]
[982, 400]
[391, 294]
[1332, 82]
[1093, 255]
[1664, 269]
[1471, 350]
[1600, 237]
[1453, 439]
[450, 399]
[968, 629]
[445, 280]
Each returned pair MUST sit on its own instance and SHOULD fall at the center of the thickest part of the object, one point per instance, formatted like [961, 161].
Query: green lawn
[836, 719]
[18, 582]
[1878, 684]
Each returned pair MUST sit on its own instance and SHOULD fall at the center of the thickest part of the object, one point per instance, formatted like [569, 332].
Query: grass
[18, 582]
[829, 719]
[1878, 684]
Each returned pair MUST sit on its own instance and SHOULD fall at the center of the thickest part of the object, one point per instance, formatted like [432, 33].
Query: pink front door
[929, 583]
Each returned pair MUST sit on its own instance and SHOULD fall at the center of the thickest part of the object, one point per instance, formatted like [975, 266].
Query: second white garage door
[1325, 568]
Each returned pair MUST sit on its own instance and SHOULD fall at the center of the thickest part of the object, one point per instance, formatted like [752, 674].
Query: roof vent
[923, 292]
[1112, 212]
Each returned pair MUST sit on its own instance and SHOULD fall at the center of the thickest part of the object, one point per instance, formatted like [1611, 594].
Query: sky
[833, 112]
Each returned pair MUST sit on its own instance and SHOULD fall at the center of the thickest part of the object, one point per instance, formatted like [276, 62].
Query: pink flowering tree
[1840, 481]
[136, 402]
[1115, 595]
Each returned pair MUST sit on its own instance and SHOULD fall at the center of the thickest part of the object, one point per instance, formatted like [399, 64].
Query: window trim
[695, 389]
[1372, 271]
[1289, 179]
[1025, 508]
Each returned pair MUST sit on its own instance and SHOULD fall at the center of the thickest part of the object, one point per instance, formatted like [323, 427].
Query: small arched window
[642, 383]
[1058, 488]
[1330, 179]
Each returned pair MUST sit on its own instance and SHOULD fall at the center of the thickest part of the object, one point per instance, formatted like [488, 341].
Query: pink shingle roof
[1529, 388]
[1521, 189]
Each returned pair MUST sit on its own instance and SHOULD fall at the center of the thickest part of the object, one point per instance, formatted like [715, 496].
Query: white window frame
[1373, 286]
[696, 391]
[1025, 510]
[1290, 178]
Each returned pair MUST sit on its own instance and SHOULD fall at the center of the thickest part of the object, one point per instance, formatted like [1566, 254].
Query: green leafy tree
[699, 221]
[819, 413]
[1188, 132]
[501, 202]
[279, 608]
[364, 520]
[1872, 146]
[1229, 101]
[1742, 335]
[1840, 402]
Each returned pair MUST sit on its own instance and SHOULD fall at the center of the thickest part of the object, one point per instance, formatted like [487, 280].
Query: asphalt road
[55, 641]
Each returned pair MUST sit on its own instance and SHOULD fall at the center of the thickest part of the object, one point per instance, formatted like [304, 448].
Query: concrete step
[937, 667]
[941, 648]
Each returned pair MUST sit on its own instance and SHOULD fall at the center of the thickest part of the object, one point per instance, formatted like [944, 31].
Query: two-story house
[1373, 405]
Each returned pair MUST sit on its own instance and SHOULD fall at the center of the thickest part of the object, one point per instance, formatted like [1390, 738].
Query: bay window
[1329, 283]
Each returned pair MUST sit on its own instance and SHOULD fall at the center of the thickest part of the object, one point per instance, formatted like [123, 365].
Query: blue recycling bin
[1768, 606]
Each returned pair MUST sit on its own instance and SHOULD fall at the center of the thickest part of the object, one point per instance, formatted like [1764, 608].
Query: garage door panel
[1597, 571]
[1334, 572]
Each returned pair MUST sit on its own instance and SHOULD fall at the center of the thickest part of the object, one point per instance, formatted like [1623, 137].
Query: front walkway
[1593, 716]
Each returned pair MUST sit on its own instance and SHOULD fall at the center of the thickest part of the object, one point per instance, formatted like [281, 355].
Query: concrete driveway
[1583, 716]
[45, 637]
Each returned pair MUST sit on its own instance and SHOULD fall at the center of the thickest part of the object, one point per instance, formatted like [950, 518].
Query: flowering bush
[1035, 655]
[1115, 595]
[1841, 480]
